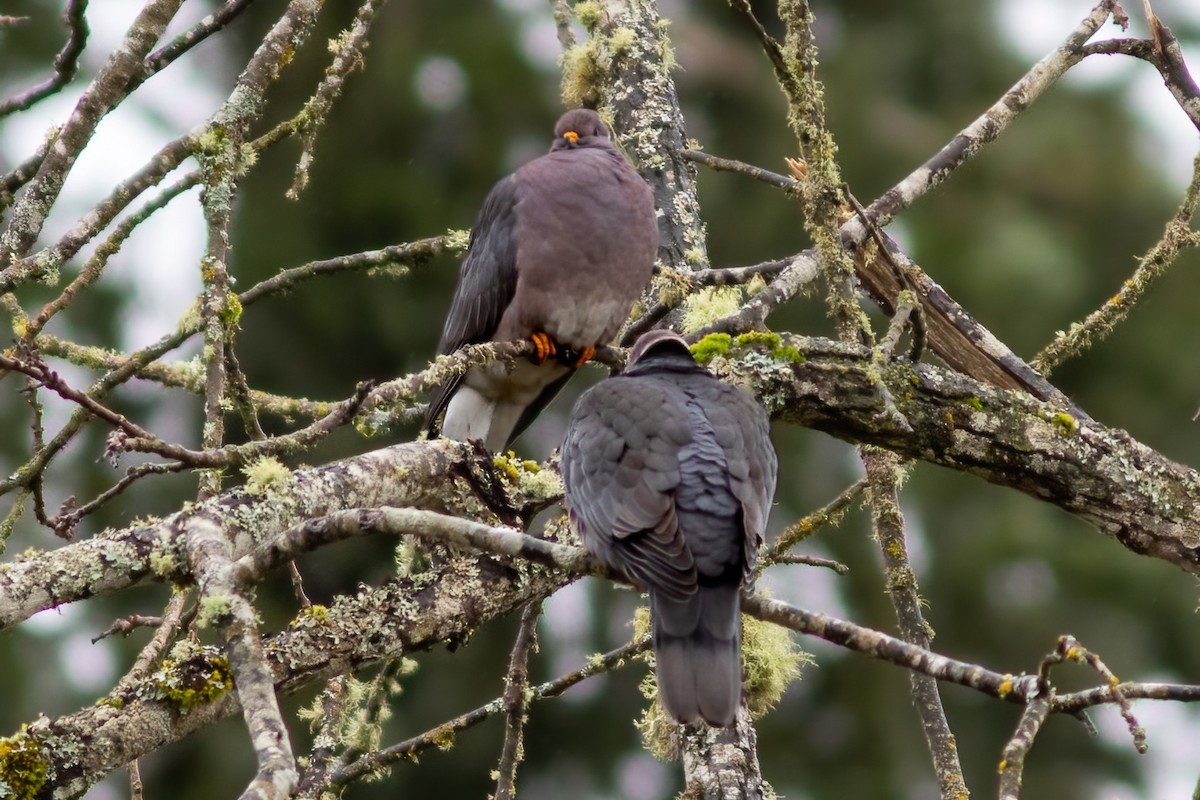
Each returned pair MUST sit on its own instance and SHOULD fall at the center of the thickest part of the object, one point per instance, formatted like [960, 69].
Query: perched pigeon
[559, 253]
[669, 475]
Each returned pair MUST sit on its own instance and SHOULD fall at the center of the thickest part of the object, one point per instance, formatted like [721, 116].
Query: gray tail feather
[697, 649]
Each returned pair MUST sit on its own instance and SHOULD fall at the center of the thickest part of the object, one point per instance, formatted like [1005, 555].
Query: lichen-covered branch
[348, 55]
[439, 475]
[229, 607]
[1011, 688]
[722, 763]
[988, 126]
[885, 472]
[437, 737]
[401, 616]
[1127, 490]
[1177, 237]
[516, 701]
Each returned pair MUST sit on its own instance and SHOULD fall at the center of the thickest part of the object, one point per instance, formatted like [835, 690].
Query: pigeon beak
[572, 137]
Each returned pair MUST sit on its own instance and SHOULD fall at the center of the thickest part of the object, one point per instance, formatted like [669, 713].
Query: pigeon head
[580, 127]
[660, 347]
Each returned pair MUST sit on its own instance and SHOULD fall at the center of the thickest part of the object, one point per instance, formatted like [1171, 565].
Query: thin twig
[214, 22]
[95, 265]
[822, 194]
[873, 644]
[444, 733]
[1012, 762]
[885, 473]
[562, 23]
[1167, 57]
[515, 700]
[135, 781]
[327, 728]
[742, 168]
[829, 514]
[67, 519]
[1177, 237]
[394, 259]
[988, 126]
[128, 625]
[66, 63]
[172, 622]
[815, 561]
[233, 454]
[348, 56]
[47, 377]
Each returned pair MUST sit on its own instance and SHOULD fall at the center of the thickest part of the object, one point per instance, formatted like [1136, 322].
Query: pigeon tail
[471, 415]
[697, 651]
[496, 406]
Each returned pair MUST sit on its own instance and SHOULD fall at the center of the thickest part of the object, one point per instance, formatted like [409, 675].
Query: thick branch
[434, 475]
[1126, 489]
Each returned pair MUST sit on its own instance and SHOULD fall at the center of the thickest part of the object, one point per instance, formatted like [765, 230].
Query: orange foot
[544, 346]
[585, 355]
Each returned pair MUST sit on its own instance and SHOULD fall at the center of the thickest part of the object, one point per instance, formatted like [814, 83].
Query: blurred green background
[1038, 230]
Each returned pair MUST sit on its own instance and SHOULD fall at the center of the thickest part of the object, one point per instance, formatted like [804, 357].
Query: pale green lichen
[709, 305]
[535, 484]
[457, 239]
[163, 564]
[590, 13]
[771, 661]
[190, 319]
[264, 473]
[621, 40]
[582, 72]
[660, 734]
[543, 485]
[213, 609]
[672, 287]
[586, 65]
[232, 310]
[360, 725]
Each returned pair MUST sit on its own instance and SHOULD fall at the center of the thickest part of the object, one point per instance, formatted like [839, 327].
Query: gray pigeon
[669, 476]
[559, 253]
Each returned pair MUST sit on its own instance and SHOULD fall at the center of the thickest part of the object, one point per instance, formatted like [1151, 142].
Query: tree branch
[1127, 490]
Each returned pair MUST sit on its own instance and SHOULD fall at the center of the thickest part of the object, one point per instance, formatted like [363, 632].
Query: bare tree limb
[66, 63]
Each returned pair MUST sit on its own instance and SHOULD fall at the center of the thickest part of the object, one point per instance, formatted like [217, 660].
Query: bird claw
[585, 355]
[544, 346]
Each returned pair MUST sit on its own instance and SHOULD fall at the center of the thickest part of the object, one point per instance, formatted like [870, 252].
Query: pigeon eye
[571, 136]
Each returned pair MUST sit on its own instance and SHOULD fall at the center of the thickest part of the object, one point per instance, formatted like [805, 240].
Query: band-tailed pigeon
[558, 255]
[669, 476]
